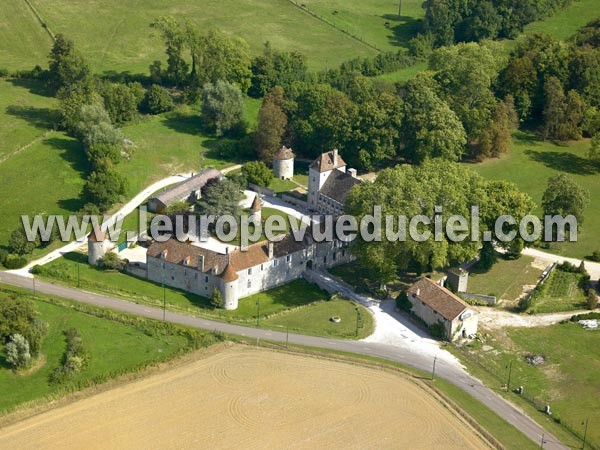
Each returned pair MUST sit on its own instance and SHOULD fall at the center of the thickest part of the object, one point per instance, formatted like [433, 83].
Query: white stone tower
[229, 287]
[97, 245]
[256, 210]
[283, 163]
[319, 171]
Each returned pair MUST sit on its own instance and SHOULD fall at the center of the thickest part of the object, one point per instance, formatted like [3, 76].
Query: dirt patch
[250, 398]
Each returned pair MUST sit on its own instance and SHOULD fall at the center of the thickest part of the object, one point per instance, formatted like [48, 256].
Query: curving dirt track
[252, 399]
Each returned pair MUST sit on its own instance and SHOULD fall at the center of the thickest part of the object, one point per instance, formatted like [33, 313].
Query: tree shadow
[36, 87]
[125, 76]
[38, 117]
[184, 123]
[71, 151]
[564, 162]
[404, 28]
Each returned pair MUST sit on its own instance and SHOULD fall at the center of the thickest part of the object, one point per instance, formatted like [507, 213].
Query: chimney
[201, 263]
[271, 250]
[335, 156]
[418, 292]
[352, 172]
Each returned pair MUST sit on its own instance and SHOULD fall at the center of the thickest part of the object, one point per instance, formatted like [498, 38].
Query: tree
[111, 261]
[157, 100]
[431, 128]
[73, 100]
[563, 196]
[104, 187]
[410, 191]
[120, 102]
[257, 172]
[466, 73]
[223, 108]
[216, 299]
[272, 123]
[17, 352]
[496, 139]
[274, 68]
[554, 110]
[66, 66]
[175, 41]
[592, 299]
[19, 244]
[220, 198]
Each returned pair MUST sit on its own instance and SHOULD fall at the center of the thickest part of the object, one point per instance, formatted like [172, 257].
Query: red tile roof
[284, 153]
[229, 274]
[438, 298]
[328, 161]
[256, 206]
[97, 235]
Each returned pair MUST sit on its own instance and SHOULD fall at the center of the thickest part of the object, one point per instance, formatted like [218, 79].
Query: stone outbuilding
[188, 191]
[435, 305]
[283, 163]
[97, 245]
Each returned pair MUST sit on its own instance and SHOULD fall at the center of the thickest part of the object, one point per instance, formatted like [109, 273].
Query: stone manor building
[238, 274]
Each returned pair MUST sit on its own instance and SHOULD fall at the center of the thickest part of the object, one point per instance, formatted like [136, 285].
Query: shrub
[19, 244]
[595, 256]
[17, 352]
[13, 262]
[437, 330]
[402, 302]
[111, 261]
[75, 358]
[3, 255]
[216, 300]
[157, 100]
[257, 173]
[3, 72]
[592, 299]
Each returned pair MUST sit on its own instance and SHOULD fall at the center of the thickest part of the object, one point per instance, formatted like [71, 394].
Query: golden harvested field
[252, 399]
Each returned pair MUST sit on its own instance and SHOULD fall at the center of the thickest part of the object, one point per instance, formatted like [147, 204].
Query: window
[325, 259]
[262, 267]
[275, 262]
[206, 288]
[250, 271]
[206, 279]
[172, 277]
[288, 258]
[196, 276]
[163, 265]
[185, 272]
[334, 255]
[249, 284]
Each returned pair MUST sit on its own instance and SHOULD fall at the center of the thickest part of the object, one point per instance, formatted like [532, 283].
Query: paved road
[445, 370]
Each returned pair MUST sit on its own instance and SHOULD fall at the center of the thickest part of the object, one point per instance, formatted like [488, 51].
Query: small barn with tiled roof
[435, 305]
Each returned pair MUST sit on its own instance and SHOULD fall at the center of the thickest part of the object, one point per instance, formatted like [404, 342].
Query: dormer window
[163, 254]
[186, 261]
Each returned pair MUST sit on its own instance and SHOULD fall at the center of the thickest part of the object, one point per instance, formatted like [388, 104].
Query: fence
[489, 299]
[294, 201]
[538, 402]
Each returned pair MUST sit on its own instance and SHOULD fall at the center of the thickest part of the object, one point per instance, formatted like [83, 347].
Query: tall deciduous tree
[431, 128]
[66, 66]
[220, 198]
[563, 196]
[223, 108]
[272, 123]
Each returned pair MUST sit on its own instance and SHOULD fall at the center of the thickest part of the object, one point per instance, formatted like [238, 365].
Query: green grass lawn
[561, 292]
[531, 162]
[565, 23]
[24, 42]
[115, 35]
[367, 19]
[506, 279]
[404, 74]
[278, 304]
[113, 347]
[567, 381]
[26, 113]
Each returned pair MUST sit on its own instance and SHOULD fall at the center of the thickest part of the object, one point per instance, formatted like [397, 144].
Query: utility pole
[33, 279]
[164, 298]
[287, 336]
[509, 375]
[357, 319]
[585, 433]
[399, 8]
[433, 370]
[542, 443]
[258, 313]
[78, 276]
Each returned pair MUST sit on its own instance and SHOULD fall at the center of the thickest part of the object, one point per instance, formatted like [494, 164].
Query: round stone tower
[229, 290]
[96, 246]
[256, 210]
[283, 163]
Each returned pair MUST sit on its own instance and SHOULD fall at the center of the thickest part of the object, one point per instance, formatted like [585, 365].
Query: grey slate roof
[338, 185]
[185, 188]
